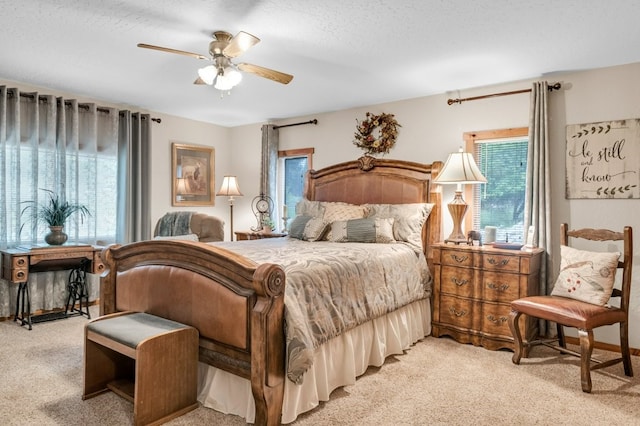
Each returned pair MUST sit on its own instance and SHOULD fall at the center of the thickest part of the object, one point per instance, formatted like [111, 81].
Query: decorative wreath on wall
[376, 134]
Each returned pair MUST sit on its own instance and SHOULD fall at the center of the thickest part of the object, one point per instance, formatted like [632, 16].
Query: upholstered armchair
[196, 226]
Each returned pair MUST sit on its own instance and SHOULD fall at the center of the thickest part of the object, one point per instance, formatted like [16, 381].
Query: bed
[234, 294]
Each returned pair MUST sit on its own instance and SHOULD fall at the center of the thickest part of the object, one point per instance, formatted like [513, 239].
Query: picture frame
[192, 175]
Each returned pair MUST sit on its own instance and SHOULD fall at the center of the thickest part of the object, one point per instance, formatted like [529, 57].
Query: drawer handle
[21, 262]
[502, 287]
[458, 282]
[457, 313]
[459, 259]
[497, 321]
[499, 263]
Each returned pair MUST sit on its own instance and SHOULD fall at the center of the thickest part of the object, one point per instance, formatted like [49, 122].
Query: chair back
[627, 257]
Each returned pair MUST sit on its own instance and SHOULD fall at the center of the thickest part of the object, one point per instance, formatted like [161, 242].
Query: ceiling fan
[222, 73]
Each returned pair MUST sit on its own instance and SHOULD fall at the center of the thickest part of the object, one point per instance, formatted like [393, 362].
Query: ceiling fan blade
[276, 76]
[169, 50]
[240, 44]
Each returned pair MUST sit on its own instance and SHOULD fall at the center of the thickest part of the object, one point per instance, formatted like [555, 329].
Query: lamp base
[457, 240]
[457, 207]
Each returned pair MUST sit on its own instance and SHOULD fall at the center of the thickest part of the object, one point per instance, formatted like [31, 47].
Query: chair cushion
[569, 312]
[585, 275]
[131, 329]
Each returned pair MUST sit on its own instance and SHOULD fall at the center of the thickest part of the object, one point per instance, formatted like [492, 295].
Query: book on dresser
[473, 289]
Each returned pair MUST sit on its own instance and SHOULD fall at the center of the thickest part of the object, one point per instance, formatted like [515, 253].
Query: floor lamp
[460, 168]
[231, 189]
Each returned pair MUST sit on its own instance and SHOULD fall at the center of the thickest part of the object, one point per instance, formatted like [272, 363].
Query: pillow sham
[296, 229]
[585, 275]
[310, 208]
[408, 219]
[366, 230]
[185, 237]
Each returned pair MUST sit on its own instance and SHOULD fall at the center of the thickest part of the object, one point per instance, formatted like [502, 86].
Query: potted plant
[54, 213]
[267, 225]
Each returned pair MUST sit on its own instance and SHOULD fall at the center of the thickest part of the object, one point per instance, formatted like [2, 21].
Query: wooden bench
[149, 360]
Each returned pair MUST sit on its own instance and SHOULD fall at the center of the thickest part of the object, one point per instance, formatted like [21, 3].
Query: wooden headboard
[380, 181]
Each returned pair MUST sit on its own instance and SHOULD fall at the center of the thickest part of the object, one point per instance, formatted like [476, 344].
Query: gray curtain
[134, 178]
[70, 148]
[269, 167]
[538, 185]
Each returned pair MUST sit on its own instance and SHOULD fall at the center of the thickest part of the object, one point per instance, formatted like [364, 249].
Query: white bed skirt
[336, 363]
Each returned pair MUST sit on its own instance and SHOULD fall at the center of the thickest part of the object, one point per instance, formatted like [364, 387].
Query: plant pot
[56, 237]
[266, 229]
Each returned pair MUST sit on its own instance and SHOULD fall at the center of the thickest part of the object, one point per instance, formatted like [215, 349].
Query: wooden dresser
[473, 288]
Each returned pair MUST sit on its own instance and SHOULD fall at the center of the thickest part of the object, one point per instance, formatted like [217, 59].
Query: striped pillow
[378, 230]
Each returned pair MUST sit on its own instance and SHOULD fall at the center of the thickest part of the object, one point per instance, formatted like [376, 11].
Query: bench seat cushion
[131, 329]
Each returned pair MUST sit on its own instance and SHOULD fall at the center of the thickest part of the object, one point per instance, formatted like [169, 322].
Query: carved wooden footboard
[236, 305]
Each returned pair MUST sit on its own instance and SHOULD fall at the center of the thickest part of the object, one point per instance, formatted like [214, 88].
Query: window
[502, 158]
[292, 169]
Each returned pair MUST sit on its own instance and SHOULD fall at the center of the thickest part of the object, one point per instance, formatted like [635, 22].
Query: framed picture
[192, 177]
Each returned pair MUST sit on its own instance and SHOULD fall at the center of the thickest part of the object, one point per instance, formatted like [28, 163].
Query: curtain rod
[314, 121]
[555, 86]
[80, 105]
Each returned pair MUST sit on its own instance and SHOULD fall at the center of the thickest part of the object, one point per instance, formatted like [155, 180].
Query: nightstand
[473, 288]
[250, 235]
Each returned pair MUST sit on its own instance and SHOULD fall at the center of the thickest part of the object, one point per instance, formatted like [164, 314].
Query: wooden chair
[566, 312]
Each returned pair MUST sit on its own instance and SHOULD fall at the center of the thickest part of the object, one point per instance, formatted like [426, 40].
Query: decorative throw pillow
[409, 218]
[314, 229]
[367, 230]
[296, 229]
[186, 237]
[585, 275]
[341, 211]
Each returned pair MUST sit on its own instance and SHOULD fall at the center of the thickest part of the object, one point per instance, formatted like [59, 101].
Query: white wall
[179, 130]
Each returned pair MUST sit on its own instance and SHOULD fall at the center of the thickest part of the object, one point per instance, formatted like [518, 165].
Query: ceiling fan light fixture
[208, 74]
[227, 79]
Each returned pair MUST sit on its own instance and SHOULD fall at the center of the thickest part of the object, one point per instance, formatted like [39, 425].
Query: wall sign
[603, 159]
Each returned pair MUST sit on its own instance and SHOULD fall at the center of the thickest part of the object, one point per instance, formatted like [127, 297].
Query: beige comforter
[333, 287]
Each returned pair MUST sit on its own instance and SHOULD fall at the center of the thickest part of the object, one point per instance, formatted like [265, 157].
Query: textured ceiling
[342, 53]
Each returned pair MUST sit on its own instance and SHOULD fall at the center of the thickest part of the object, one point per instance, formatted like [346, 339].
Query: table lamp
[231, 189]
[460, 168]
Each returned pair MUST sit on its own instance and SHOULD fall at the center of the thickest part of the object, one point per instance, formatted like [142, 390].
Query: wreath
[376, 134]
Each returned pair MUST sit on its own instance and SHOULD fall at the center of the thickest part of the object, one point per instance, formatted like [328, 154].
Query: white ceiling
[343, 53]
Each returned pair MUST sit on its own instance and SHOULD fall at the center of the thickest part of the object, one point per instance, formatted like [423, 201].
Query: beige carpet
[438, 381]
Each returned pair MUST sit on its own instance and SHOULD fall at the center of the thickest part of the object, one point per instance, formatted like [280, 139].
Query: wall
[180, 130]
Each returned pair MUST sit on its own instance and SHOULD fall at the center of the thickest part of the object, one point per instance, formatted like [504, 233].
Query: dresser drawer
[500, 287]
[501, 262]
[457, 258]
[456, 281]
[455, 311]
[495, 319]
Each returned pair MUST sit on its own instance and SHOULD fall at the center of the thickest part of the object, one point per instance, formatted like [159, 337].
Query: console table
[19, 262]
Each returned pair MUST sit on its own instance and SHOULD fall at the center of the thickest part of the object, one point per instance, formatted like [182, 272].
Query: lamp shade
[230, 187]
[181, 186]
[460, 168]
